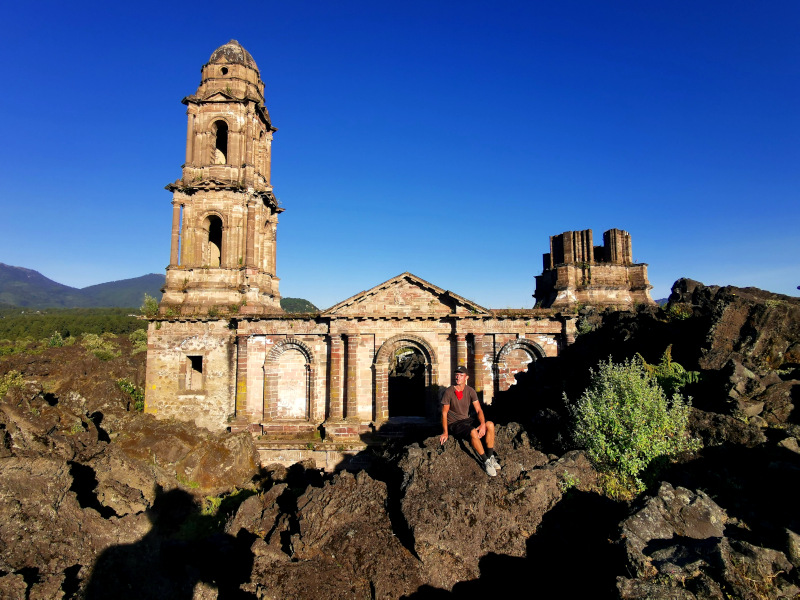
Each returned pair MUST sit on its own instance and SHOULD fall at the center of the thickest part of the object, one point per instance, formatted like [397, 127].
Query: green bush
[136, 393]
[149, 307]
[139, 340]
[100, 345]
[670, 375]
[625, 421]
[9, 380]
[679, 312]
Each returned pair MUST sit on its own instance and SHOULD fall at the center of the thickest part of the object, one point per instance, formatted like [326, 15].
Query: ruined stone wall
[577, 273]
[289, 376]
[191, 372]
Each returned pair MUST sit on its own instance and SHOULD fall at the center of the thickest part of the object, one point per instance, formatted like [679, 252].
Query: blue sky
[449, 139]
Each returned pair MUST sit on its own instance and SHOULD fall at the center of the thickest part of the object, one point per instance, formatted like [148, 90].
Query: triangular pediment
[219, 97]
[405, 296]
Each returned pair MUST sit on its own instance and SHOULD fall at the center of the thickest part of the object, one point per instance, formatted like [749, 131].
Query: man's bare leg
[476, 441]
[490, 435]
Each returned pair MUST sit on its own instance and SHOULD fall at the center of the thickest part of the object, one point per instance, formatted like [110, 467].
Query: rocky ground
[100, 501]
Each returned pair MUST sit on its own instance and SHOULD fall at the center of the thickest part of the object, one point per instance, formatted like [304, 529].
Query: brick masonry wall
[168, 393]
[211, 407]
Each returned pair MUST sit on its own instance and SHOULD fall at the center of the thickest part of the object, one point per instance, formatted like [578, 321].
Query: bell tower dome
[224, 213]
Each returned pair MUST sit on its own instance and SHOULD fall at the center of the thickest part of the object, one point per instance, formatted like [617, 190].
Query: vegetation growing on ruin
[625, 421]
[149, 307]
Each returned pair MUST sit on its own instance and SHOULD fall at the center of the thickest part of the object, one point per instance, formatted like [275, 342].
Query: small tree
[149, 307]
[624, 421]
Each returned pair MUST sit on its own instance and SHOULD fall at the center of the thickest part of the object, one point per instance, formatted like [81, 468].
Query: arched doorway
[407, 383]
[417, 359]
[289, 382]
[516, 380]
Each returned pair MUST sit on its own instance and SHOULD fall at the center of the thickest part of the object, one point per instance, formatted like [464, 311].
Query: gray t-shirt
[459, 409]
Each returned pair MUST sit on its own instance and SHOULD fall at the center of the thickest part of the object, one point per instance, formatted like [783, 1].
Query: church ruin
[576, 272]
[222, 353]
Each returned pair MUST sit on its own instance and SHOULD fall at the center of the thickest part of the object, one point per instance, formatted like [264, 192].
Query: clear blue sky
[449, 139]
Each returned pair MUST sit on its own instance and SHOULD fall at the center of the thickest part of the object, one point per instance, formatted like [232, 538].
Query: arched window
[212, 246]
[220, 143]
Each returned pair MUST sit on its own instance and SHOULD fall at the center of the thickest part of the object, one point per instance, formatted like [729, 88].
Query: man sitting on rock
[456, 421]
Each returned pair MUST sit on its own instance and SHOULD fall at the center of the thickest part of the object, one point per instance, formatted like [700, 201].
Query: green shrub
[136, 393]
[102, 347]
[139, 340]
[149, 307]
[583, 326]
[625, 421]
[679, 312]
[9, 380]
[670, 375]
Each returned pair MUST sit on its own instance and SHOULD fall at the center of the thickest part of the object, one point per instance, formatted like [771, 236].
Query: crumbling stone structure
[578, 272]
[221, 352]
[224, 214]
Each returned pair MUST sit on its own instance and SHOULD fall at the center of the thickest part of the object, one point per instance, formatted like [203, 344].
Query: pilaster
[352, 375]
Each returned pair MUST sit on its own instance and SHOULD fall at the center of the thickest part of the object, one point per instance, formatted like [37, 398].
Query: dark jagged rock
[677, 548]
[93, 495]
[457, 514]
[715, 429]
[754, 342]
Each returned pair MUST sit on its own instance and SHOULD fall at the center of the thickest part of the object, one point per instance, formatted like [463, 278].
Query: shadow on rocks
[751, 485]
[173, 557]
[572, 555]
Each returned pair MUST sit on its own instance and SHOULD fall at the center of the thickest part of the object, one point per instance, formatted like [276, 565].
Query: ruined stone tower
[224, 214]
[578, 272]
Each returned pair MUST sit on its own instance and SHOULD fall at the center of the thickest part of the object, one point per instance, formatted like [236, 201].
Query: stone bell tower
[224, 214]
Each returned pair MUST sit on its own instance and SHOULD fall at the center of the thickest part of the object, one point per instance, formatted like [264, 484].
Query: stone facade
[290, 377]
[578, 272]
[222, 354]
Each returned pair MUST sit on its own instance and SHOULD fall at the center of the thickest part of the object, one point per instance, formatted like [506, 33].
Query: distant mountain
[29, 288]
[126, 292]
[297, 305]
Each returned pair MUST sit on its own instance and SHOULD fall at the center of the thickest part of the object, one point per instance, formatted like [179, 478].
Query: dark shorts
[461, 429]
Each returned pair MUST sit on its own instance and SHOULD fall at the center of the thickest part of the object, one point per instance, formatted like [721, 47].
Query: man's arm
[479, 412]
[444, 436]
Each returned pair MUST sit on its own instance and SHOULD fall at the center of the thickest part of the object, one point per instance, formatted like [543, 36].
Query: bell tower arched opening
[220, 143]
[212, 246]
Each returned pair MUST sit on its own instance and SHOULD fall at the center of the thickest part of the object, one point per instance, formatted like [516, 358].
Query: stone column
[461, 350]
[251, 234]
[352, 375]
[477, 364]
[174, 258]
[569, 330]
[190, 140]
[336, 388]
[241, 375]
[482, 367]
[187, 257]
[249, 141]
[274, 237]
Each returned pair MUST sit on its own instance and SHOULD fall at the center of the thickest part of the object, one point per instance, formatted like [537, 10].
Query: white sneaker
[495, 463]
[489, 468]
